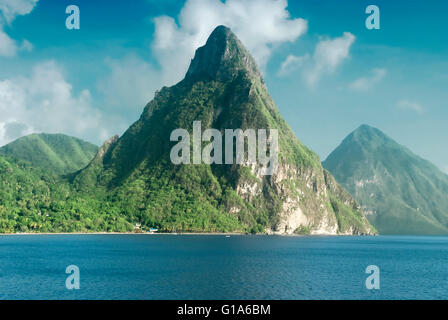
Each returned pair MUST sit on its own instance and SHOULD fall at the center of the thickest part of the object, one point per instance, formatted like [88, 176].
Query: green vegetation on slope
[58, 153]
[131, 180]
[224, 90]
[401, 192]
[32, 200]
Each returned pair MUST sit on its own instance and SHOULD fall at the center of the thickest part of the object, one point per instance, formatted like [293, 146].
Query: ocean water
[219, 267]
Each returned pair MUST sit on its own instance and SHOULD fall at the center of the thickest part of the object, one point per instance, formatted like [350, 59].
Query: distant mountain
[223, 89]
[58, 153]
[400, 192]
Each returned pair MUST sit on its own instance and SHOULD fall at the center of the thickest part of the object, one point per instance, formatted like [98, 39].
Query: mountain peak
[223, 90]
[367, 134]
[366, 129]
[401, 192]
[222, 58]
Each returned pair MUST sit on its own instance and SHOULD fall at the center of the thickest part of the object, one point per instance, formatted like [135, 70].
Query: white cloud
[291, 64]
[45, 102]
[131, 83]
[10, 9]
[366, 83]
[328, 55]
[8, 46]
[409, 105]
[26, 46]
[260, 24]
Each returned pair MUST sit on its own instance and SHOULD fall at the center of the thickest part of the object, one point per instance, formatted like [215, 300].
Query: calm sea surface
[218, 267]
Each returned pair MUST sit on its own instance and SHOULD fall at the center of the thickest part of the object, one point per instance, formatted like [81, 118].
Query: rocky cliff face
[224, 90]
[222, 58]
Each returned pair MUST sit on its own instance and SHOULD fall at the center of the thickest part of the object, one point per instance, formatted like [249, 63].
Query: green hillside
[132, 181]
[58, 153]
[224, 90]
[400, 192]
[34, 200]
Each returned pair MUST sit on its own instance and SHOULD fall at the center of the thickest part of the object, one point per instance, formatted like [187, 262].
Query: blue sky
[336, 75]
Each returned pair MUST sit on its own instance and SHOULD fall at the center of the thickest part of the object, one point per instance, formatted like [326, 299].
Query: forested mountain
[55, 152]
[400, 192]
[133, 181]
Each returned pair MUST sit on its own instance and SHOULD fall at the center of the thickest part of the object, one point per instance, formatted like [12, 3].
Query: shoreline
[124, 233]
[182, 234]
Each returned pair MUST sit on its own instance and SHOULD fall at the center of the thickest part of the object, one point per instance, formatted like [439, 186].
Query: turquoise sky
[94, 82]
